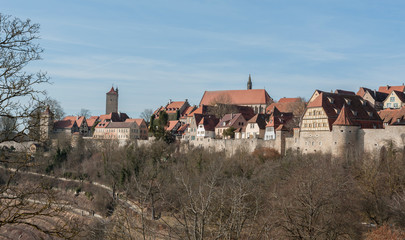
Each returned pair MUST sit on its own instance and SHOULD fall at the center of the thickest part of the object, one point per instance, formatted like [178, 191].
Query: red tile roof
[388, 114]
[388, 89]
[112, 91]
[183, 128]
[289, 100]
[175, 105]
[92, 120]
[236, 97]
[172, 125]
[80, 120]
[120, 125]
[344, 118]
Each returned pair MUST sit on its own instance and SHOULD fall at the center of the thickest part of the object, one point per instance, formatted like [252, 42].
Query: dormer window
[354, 113]
[370, 114]
[363, 102]
[337, 111]
[331, 100]
[348, 101]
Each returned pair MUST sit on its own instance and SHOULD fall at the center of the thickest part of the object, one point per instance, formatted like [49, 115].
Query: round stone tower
[45, 125]
[344, 134]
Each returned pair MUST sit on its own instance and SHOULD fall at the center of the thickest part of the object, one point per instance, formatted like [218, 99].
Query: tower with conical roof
[111, 101]
[249, 83]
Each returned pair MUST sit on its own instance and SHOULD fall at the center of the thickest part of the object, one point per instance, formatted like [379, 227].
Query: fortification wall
[231, 146]
[371, 140]
[311, 142]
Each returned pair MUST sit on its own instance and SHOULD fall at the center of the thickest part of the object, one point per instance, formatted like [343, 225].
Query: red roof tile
[289, 100]
[236, 97]
[112, 91]
[172, 125]
[388, 89]
[344, 118]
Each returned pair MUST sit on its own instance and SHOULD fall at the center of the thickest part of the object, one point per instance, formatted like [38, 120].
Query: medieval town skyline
[156, 51]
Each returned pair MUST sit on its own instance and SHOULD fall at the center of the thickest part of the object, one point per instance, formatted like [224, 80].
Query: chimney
[170, 101]
[186, 100]
[375, 93]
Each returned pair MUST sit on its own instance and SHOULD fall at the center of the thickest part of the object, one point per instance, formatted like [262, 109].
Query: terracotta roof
[281, 128]
[260, 119]
[398, 117]
[91, 121]
[80, 120]
[112, 91]
[289, 100]
[377, 96]
[236, 97]
[183, 128]
[188, 111]
[366, 115]
[172, 125]
[102, 124]
[277, 118]
[388, 89]
[294, 107]
[175, 105]
[388, 114]
[344, 118]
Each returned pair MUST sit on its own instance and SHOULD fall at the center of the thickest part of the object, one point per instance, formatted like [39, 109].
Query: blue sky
[174, 49]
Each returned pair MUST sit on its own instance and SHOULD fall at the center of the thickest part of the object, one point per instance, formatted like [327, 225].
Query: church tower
[249, 83]
[111, 101]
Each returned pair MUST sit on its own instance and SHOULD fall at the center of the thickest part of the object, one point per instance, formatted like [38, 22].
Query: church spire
[249, 83]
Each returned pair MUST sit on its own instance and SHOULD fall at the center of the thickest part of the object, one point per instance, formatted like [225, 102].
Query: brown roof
[388, 89]
[120, 125]
[229, 120]
[344, 92]
[260, 119]
[377, 96]
[114, 117]
[366, 115]
[400, 95]
[278, 118]
[344, 118]
[64, 124]
[236, 97]
[209, 122]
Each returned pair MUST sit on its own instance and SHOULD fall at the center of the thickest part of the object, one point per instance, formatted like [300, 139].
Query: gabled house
[232, 120]
[393, 116]
[374, 97]
[395, 99]
[143, 127]
[91, 123]
[175, 109]
[276, 119]
[206, 127]
[66, 125]
[256, 126]
[113, 117]
[324, 108]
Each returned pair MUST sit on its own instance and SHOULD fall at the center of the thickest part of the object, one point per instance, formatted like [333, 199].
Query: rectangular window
[392, 99]
[388, 105]
[395, 105]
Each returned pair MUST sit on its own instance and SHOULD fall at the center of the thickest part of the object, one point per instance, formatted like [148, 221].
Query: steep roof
[91, 120]
[400, 95]
[80, 120]
[209, 122]
[236, 97]
[377, 96]
[295, 107]
[365, 115]
[388, 114]
[112, 91]
[344, 118]
[344, 92]
[260, 119]
[229, 120]
[114, 117]
[172, 125]
[388, 89]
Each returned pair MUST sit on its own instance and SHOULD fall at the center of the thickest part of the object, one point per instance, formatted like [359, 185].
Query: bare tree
[146, 114]
[84, 112]
[20, 100]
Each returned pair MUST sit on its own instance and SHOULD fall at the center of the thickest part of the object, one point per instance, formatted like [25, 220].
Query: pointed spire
[249, 84]
[344, 118]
